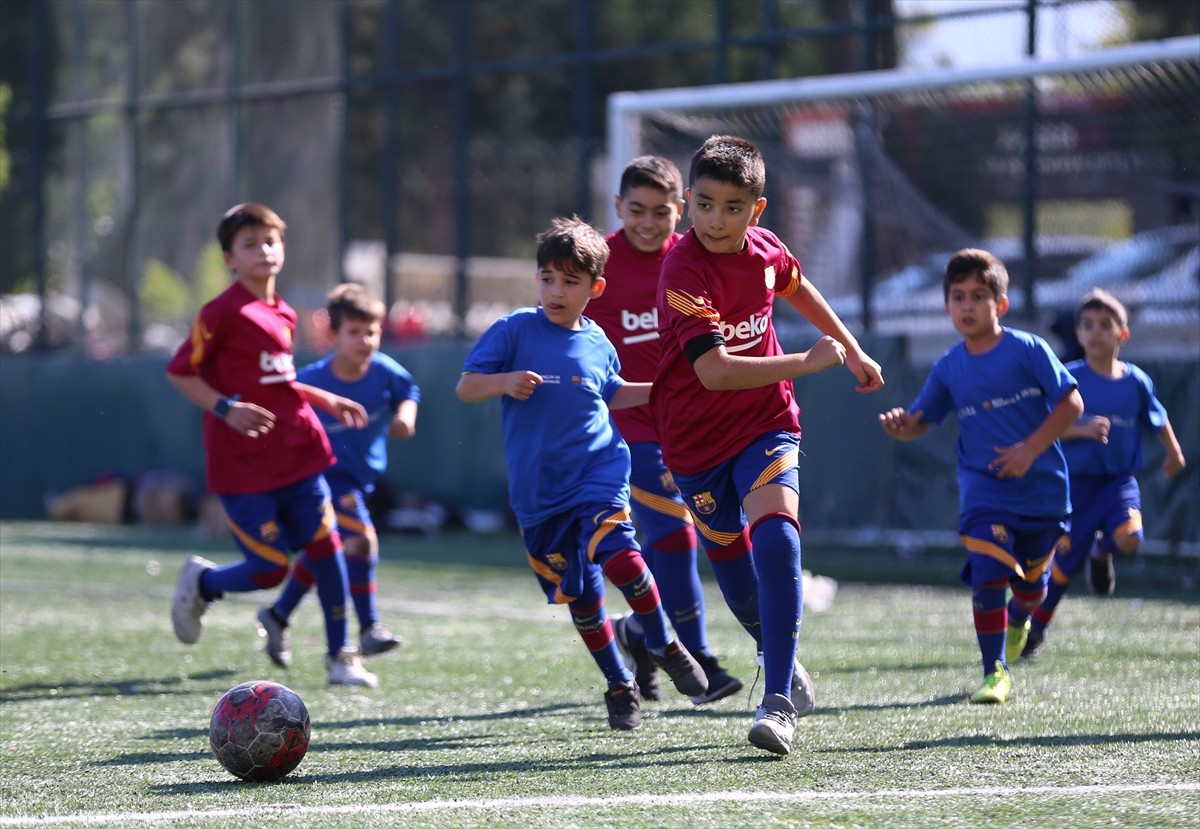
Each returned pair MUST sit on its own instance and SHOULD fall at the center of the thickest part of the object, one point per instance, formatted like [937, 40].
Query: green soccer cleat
[1014, 645]
[995, 688]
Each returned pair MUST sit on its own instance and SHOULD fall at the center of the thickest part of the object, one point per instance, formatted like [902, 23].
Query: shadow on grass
[651, 758]
[111, 688]
[1050, 740]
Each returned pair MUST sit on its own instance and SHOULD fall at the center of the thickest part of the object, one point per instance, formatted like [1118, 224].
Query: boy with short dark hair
[568, 469]
[650, 205]
[726, 412]
[1104, 454]
[356, 370]
[265, 448]
[1013, 399]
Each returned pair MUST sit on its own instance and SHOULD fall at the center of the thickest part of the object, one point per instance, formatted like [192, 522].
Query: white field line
[691, 799]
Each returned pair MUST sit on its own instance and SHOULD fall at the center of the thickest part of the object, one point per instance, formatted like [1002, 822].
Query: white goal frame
[624, 109]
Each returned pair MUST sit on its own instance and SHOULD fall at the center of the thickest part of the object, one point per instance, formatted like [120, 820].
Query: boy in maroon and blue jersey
[558, 377]
[1013, 399]
[356, 370]
[1104, 454]
[725, 410]
[650, 205]
[264, 446]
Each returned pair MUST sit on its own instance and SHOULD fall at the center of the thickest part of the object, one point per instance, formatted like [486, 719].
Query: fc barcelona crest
[704, 504]
[269, 532]
[557, 561]
[1000, 533]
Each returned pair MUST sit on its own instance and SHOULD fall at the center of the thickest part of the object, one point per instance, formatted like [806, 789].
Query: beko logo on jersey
[754, 327]
[646, 323]
[276, 367]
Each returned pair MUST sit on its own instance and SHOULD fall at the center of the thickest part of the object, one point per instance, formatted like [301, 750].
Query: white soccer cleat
[347, 669]
[187, 610]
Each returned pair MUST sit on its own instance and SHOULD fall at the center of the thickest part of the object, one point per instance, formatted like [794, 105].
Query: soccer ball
[259, 730]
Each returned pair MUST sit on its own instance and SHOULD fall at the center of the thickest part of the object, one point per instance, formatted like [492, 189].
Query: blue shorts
[715, 495]
[656, 503]
[1100, 503]
[349, 504]
[1003, 546]
[563, 549]
[269, 525]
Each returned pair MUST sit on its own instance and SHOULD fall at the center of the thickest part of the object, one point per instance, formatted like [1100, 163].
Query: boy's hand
[519, 385]
[349, 412]
[901, 424]
[1094, 428]
[868, 372]
[1013, 461]
[825, 353]
[249, 419]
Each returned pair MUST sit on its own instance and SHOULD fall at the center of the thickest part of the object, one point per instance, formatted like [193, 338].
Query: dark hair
[575, 243]
[352, 301]
[1098, 299]
[731, 160]
[652, 171]
[970, 262]
[247, 214]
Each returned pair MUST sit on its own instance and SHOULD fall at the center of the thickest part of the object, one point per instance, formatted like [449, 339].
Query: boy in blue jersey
[356, 370]
[558, 376]
[1104, 453]
[1013, 399]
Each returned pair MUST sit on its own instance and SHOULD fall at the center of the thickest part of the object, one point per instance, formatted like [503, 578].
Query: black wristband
[222, 407]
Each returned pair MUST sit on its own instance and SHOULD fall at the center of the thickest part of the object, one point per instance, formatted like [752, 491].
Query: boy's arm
[902, 424]
[630, 395]
[1088, 428]
[347, 411]
[245, 418]
[1014, 461]
[1174, 462]
[719, 370]
[404, 423]
[809, 302]
[475, 388]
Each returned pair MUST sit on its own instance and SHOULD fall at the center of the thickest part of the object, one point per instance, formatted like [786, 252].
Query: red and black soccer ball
[259, 730]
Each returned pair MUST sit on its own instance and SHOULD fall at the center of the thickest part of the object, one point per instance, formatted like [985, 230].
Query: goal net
[874, 178]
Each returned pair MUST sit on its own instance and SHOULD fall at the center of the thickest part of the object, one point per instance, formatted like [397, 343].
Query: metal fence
[414, 145]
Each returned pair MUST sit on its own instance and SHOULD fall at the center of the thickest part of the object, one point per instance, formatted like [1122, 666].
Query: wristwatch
[222, 407]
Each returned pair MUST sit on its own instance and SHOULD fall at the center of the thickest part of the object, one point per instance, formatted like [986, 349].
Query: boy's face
[564, 294]
[256, 253]
[721, 213]
[974, 309]
[1099, 333]
[357, 340]
[649, 217]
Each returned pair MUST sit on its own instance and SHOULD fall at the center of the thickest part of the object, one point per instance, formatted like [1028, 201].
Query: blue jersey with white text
[1131, 407]
[560, 445]
[362, 453]
[1000, 398]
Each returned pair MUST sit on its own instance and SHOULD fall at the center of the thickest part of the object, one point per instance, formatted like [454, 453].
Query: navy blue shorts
[563, 549]
[1003, 546]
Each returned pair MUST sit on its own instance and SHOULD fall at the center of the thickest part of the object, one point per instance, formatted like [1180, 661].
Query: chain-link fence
[419, 146]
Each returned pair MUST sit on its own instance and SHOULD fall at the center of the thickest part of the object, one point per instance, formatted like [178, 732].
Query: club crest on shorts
[557, 561]
[704, 504]
[1000, 533]
[348, 502]
[268, 531]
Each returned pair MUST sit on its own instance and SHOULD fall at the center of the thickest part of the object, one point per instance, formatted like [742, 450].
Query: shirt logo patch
[704, 503]
[769, 276]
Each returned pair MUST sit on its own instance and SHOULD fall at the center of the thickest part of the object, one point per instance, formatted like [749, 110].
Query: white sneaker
[188, 608]
[803, 695]
[774, 724]
[347, 669]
